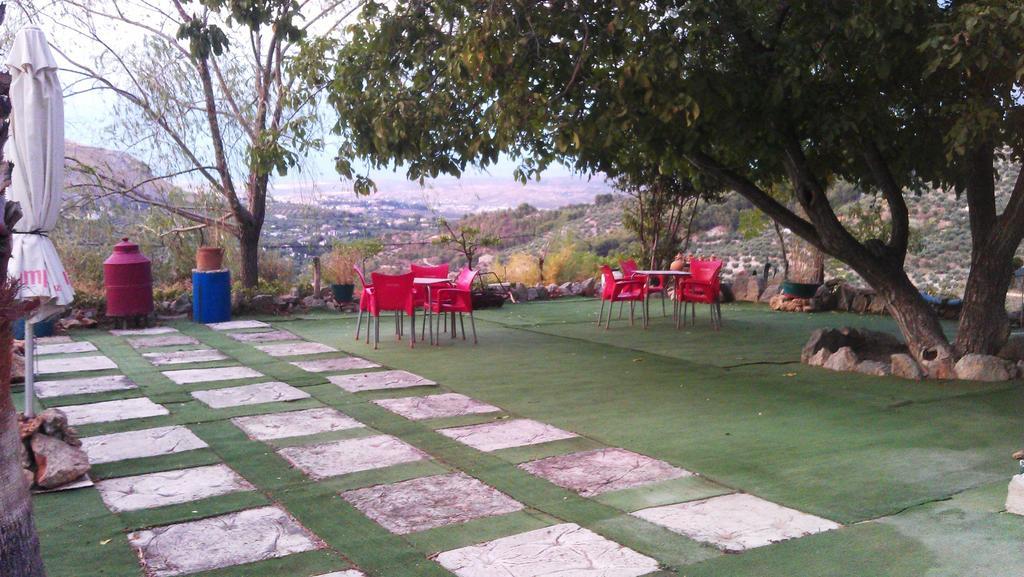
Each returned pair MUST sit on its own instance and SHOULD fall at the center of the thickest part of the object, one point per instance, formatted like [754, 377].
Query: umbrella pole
[30, 370]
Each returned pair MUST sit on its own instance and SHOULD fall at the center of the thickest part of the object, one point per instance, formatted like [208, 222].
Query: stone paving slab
[170, 487]
[87, 385]
[351, 455]
[56, 339]
[294, 424]
[429, 502]
[436, 406]
[169, 340]
[591, 473]
[233, 539]
[138, 444]
[331, 365]
[348, 573]
[183, 357]
[565, 550]
[74, 365]
[237, 325]
[259, 393]
[65, 348]
[379, 380]
[109, 411]
[266, 337]
[736, 522]
[489, 437]
[295, 349]
[189, 376]
[142, 332]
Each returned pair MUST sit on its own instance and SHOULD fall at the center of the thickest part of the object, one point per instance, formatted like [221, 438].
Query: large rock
[57, 462]
[746, 288]
[868, 344]
[975, 367]
[878, 305]
[819, 358]
[875, 368]
[1013, 350]
[827, 296]
[17, 369]
[1015, 495]
[842, 360]
[771, 289]
[861, 303]
[55, 422]
[905, 367]
[588, 288]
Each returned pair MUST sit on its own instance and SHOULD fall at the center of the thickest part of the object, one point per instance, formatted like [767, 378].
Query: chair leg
[412, 333]
[632, 311]
[472, 323]
[608, 321]
[359, 322]
[423, 324]
[600, 315]
[462, 323]
[662, 299]
[376, 333]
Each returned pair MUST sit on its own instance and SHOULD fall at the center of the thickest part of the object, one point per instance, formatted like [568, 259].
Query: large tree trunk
[249, 246]
[19, 544]
[920, 326]
[984, 326]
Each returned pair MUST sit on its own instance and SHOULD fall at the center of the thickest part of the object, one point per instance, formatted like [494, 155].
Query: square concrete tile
[189, 376]
[170, 340]
[138, 444]
[295, 349]
[108, 411]
[65, 348]
[594, 472]
[347, 573]
[351, 455]
[74, 365]
[271, 392]
[294, 424]
[224, 541]
[436, 406]
[56, 339]
[379, 380]
[736, 522]
[183, 357]
[238, 325]
[331, 365]
[83, 386]
[142, 332]
[170, 487]
[266, 337]
[506, 434]
[565, 550]
[429, 502]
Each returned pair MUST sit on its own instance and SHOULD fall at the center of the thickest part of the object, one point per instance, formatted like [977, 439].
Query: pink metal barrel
[128, 280]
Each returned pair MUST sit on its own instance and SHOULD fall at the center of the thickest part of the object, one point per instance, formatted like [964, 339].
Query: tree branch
[893, 194]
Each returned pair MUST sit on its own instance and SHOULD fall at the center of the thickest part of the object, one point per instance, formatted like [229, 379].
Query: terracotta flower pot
[209, 258]
[678, 264]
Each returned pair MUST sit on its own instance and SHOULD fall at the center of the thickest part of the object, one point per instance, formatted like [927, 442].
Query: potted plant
[209, 257]
[339, 270]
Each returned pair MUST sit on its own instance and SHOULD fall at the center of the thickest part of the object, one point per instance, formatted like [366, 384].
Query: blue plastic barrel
[211, 296]
[42, 328]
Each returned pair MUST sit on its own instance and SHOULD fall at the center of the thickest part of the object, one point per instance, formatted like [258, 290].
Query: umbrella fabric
[36, 147]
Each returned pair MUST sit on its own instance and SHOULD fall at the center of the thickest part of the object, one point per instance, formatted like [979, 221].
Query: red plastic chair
[621, 290]
[457, 299]
[365, 295]
[392, 293]
[421, 292]
[657, 286]
[702, 286]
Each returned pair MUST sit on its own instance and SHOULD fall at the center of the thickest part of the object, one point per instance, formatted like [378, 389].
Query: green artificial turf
[908, 467]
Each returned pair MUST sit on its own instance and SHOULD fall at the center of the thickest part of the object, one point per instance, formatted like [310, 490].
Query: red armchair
[420, 292]
[452, 300]
[392, 293]
[702, 286]
[629, 269]
[615, 290]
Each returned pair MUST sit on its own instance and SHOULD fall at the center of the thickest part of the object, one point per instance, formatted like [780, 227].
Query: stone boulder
[875, 345]
[875, 368]
[17, 369]
[57, 462]
[975, 367]
[843, 359]
[771, 289]
[905, 367]
[819, 358]
[746, 288]
[1015, 495]
[827, 296]
[54, 422]
[1013, 350]
[878, 305]
[588, 288]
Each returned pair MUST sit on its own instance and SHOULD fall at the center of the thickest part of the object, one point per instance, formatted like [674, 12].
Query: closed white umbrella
[36, 147]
